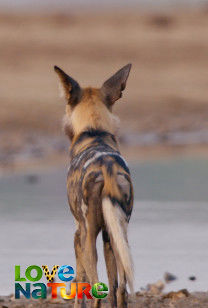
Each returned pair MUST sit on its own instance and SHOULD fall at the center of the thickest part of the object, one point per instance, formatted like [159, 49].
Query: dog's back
[98, 171]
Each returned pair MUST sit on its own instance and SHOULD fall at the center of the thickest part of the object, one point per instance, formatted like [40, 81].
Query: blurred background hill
[165, 106]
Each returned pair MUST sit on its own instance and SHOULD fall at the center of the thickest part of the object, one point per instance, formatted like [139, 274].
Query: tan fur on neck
[91, 112]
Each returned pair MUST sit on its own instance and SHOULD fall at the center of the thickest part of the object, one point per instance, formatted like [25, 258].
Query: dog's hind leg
[90, 260]
[120, 291]
[80, 271]
[122, 295]
[111, 268]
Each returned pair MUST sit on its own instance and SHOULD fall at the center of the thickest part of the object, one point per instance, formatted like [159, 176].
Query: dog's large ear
[71, 88]
[112, 88]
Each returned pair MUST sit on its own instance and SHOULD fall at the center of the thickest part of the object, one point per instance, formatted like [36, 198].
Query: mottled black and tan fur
[99, 187]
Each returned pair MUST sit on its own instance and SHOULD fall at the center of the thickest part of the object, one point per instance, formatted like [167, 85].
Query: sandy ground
[167, 88]
[181, 299]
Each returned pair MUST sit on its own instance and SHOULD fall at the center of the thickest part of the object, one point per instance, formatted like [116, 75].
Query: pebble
[192, 278]
[168, 277]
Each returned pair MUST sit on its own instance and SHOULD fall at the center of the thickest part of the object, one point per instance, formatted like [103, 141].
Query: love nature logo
[36, 290]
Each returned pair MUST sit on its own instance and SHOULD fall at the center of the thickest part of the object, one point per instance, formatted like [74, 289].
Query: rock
[192, 278]
[176, 295]
[12, 297]
[32, 178]
[168, 277]
[162, 21]
[155, 288]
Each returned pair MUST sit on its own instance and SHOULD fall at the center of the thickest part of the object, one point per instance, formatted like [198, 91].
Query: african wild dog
[99, 187]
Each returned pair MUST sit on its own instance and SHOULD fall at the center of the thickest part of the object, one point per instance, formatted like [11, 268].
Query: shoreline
[134, 154]
[39, 151]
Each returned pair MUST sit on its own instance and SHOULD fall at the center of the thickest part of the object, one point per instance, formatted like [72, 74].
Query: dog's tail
[115, 220]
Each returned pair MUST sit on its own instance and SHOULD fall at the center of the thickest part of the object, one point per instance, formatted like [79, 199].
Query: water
[168, 230]
[62, 5]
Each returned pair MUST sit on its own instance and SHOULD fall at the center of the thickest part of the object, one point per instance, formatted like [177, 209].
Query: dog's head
[91, 108]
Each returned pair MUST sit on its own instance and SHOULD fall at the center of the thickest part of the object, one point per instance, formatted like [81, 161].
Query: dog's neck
[92, 138]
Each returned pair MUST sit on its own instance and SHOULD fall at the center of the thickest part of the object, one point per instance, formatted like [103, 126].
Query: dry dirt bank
[167, 88]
